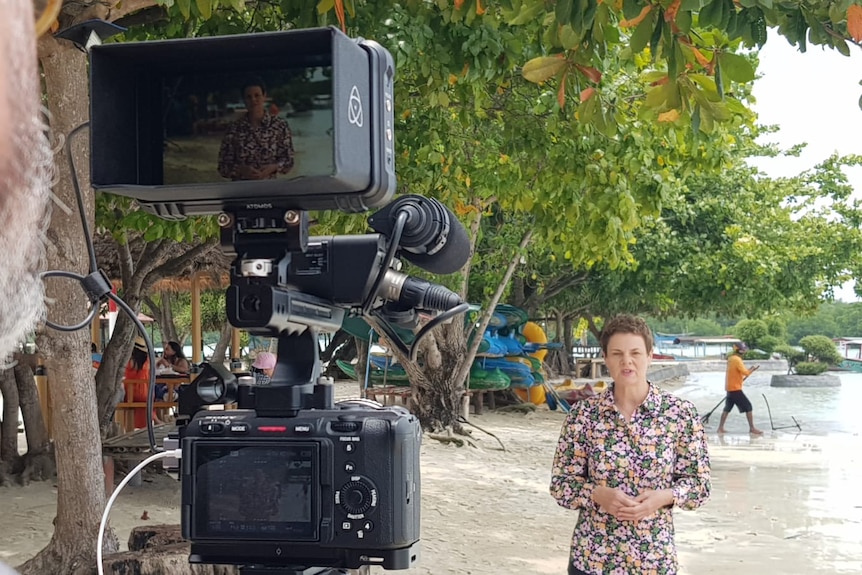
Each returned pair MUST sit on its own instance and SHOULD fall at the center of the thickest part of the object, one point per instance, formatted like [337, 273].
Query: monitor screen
[256, 491]
[260, 125]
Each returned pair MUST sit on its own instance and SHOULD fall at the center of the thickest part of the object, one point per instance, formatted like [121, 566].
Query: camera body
[328, 487]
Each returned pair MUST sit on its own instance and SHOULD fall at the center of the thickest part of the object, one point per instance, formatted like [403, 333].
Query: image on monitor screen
[266, 124]
[267, 491]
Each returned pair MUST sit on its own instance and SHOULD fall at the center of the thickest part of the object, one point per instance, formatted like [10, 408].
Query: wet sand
[782, 503]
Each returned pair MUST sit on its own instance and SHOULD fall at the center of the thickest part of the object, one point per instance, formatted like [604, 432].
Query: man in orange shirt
[735, 375]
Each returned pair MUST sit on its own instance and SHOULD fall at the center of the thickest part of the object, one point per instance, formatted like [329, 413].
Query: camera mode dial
[357, 497]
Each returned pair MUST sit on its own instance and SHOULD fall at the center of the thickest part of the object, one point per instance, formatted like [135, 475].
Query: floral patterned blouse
[663, 447]
[244, 144]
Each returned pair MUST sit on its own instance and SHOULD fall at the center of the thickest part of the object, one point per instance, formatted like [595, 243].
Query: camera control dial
[357, 497]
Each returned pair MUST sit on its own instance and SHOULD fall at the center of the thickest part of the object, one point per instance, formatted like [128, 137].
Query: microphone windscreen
[432, 238]
[452, 255]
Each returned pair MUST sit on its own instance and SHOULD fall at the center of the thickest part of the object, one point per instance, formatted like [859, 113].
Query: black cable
[91, 250]
[426, 329]
[93, 310]
[393, 337]
[394, 239]
[97, 286]
[151, 353]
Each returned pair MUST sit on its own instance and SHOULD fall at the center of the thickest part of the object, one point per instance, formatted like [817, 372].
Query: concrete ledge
[664, 372]
[822, 380]
[701, 365]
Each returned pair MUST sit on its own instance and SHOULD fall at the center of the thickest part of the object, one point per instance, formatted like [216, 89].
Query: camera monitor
[263, 491]
[300, 119]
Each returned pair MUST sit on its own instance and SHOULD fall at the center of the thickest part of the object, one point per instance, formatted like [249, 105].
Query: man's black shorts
[738, 399]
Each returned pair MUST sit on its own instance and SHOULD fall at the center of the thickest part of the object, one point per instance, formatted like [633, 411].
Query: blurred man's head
[25, 174]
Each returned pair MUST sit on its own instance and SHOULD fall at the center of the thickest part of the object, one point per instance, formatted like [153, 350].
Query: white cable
[177, 453]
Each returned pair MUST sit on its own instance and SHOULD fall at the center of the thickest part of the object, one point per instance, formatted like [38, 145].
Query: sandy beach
[785, 503]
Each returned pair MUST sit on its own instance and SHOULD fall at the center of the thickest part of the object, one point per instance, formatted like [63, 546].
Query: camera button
[211, 428]
[349, 467]
[367, 526]
[349, 448]
[239, 428]
[346, 525]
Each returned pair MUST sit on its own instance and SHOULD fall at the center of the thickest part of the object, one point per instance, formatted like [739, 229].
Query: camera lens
[211, 390]
[251, 303]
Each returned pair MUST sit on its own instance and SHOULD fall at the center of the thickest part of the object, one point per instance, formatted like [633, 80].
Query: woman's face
[254, 98]
[628, 359]
[169, 351]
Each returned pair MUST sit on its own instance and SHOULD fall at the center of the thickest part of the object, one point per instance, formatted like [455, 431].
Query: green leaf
[642, 33]
[736, 68]
[576, 18]
[719, 82]
[631, 8]
[590, 14]
[683, 21]
[238, 5]
[691, 5]
[185, 7]
[205, 7]
[543, 68]
[656, 36]
[710, 14]
[568, 38]
[325, 6]
[529, 12]
[563, 11]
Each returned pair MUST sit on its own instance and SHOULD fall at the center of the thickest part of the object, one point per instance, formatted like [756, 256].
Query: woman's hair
[177, 349]
[139, 358]
[626, 324]
[253, 81]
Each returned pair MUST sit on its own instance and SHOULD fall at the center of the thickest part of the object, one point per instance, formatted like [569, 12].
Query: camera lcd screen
[256, 491]
[263, 125]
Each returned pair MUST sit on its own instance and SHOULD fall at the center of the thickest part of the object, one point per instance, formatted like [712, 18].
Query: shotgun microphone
[433, 238]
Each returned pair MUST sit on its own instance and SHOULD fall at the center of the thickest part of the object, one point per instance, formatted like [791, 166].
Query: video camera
[259, 129]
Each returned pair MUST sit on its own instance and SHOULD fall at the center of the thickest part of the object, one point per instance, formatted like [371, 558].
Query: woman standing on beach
[625, 458]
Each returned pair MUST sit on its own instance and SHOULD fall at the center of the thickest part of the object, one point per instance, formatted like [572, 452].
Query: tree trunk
[9, 419]
[109, 377]
[436, 391]
[224, 338]
[560, 359]
[343, 347]
[80, 478]
[31, 409]
[166, 322]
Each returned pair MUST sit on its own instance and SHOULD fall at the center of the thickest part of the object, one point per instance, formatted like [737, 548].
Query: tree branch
[464, 367]
[474, 238]
[178, 264]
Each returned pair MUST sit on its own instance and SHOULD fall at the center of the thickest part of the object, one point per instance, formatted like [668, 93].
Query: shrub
[811, 367]
[791, 354]
[755, 354]
[820, 348]
[751, 331]
[768, 343]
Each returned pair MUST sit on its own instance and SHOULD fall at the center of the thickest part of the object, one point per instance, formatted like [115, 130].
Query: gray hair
[26, 170]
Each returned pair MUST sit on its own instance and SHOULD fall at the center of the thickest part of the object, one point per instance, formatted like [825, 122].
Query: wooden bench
[124, 414]
[391, 394]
